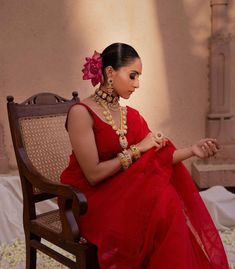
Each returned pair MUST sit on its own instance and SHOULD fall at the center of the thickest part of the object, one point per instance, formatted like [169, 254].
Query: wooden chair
[42, 148]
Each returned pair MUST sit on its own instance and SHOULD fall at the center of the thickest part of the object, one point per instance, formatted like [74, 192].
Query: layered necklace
[110, 102]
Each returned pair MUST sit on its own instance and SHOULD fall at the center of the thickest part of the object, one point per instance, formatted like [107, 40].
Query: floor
[12, 253]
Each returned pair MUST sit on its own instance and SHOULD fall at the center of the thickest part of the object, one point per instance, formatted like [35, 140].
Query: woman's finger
[213, 141]
[204, 151]
[158, 146]
[213, 147]
[208, 148]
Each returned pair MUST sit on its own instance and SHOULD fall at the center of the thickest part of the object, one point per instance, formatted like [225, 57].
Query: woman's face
[126, 79]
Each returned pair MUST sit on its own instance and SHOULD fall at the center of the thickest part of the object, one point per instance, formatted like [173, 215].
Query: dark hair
[118, 55]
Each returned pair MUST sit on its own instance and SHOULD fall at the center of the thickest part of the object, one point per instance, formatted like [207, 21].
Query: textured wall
[43, 45]
[232, 51]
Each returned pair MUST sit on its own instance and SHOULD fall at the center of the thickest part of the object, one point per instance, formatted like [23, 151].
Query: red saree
[149, 216]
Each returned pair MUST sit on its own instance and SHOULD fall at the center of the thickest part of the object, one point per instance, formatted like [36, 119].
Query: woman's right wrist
[128, 156]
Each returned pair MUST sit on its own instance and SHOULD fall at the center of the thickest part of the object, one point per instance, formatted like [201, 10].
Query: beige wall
[232, 51]
[43, 44]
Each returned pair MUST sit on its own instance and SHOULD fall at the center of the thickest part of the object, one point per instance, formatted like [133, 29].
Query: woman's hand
[151, 141]
[205, 148]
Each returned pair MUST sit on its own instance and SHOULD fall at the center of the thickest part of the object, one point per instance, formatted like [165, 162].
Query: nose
[136, 83]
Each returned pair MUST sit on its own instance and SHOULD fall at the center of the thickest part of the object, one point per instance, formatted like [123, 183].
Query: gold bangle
[135, 152]
[128, 156]
[123, 160]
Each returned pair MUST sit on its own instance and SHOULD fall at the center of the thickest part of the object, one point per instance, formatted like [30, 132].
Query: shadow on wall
[185, 29]
[41, 49]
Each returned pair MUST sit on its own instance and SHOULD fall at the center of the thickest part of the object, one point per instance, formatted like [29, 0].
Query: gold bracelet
[135, 152]
[123, 160]
[128, 156]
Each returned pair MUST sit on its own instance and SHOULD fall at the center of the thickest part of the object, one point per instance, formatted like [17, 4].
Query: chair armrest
[72, 202]
[66, 192]
[42, 196]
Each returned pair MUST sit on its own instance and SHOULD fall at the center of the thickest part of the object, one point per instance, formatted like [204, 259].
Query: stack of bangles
[126, 158]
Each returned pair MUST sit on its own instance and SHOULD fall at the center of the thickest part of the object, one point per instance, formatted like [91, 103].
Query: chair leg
[31, 252]
[87, 259]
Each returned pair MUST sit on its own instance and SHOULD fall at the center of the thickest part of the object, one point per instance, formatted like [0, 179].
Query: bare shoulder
[78, 110]
[84, 112]
[79, 114]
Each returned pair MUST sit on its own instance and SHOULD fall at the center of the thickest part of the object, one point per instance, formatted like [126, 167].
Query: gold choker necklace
[110, 99]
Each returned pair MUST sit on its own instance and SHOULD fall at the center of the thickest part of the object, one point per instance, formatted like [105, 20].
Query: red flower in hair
[92, 69]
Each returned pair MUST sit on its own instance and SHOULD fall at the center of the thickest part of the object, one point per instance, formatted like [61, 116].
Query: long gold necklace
[120, 131]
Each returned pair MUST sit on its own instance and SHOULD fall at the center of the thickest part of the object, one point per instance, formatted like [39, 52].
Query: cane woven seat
[50, 220]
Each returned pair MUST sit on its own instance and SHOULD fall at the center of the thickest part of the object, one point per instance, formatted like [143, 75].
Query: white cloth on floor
[11, 209]
[221, 206]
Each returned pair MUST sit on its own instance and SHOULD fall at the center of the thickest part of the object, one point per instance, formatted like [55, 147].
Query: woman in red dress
[144, 211]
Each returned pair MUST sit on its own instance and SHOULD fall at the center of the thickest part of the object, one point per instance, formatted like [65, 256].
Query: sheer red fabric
[149, 216]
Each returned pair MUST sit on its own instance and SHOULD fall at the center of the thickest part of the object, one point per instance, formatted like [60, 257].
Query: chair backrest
[38, 126]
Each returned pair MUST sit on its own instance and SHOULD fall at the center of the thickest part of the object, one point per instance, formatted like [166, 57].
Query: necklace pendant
[123, 141]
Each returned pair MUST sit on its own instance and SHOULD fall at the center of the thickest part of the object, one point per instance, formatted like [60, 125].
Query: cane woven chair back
[42, 149]
[50, 154]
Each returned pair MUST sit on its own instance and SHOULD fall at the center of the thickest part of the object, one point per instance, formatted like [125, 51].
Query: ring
[159, 136]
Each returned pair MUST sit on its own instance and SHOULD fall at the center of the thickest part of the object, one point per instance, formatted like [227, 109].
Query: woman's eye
[132, 76]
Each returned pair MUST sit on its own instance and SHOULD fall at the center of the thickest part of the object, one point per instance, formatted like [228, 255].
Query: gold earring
[110, 85]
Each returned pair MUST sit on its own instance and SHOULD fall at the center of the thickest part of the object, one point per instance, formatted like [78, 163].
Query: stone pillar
[220, 118]
[219, 170]
[4, 165]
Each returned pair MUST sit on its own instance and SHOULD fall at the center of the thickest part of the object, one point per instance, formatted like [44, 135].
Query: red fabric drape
[149, 216]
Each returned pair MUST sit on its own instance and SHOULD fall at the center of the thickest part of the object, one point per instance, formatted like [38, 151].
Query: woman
[143, 208]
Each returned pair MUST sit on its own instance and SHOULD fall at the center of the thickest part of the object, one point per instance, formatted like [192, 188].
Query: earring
[110, 85]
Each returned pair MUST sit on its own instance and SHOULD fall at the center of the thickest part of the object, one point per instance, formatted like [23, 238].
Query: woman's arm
[80, 129]
[204, 148]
